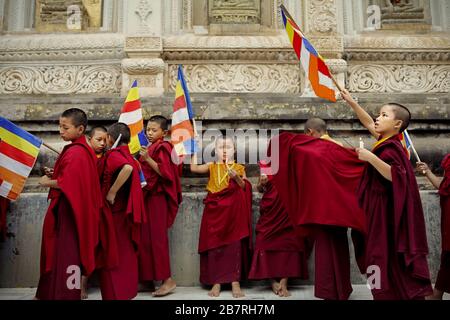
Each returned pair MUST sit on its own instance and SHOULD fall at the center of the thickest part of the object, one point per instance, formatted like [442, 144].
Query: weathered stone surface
[19, 255]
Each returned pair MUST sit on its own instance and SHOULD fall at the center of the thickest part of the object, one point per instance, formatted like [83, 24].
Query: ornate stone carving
[187, 14]
[143, 66]
[401, 10]
[322, 16]
[143, 45]
[234, 11]
[62, 47]
[276, 78]
[143, 10]
[399, 78]
[55, 79]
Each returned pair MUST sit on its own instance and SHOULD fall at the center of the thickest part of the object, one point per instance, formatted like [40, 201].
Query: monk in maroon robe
[70, 231]
[279, 252]
[226, 227]
[443, 279]
[162, 196]
[4, 205]
[316, 181]
[122, 192]
[396, 246]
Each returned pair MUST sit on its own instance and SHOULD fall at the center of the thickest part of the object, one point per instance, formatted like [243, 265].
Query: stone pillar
[320, 23]
[2, 15]
[17, 17]
[143, 46]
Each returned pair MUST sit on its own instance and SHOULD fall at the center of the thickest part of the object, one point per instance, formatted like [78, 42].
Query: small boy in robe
[396, 242]
[443, 185]
[123, 200]
[97, 140]
[162, 196]
[226, 230]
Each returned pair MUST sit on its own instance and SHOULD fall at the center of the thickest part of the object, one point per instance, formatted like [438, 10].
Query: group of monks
[101, 220]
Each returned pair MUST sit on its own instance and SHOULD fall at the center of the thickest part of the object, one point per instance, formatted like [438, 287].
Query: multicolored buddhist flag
[131, 115]
[183, 133]
[312, 62]
[19, 150]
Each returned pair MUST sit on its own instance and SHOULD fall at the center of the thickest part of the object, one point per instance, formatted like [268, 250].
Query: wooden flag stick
[338, 86]
[50, 147]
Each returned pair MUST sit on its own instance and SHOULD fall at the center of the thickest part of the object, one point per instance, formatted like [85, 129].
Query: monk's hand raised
[364, 154]
[111, 197]
[422, 168]
[347, 96]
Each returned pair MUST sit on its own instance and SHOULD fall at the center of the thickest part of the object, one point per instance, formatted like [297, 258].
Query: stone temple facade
[241, 72]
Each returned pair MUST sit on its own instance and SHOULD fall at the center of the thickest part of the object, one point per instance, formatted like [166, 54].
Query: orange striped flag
[312, 62]
[131, 115]
[19, 150]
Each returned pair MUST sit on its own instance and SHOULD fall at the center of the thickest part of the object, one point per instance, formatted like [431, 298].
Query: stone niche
[57, 16]
[234, 16]
[404, 14]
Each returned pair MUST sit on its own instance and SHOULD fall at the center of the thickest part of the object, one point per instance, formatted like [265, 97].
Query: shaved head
[401, 113]
[316, 124]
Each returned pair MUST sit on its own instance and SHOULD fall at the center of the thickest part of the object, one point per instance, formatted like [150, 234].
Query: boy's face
[386, 124]
[68, 131]
[225, 150]
[98, 141]
[154, 131]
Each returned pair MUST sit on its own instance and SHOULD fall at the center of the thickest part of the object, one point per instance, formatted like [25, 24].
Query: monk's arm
[45, 181]
[122, 177]
[365, 118]
[382, 167]
[198, 168]
[425, 170]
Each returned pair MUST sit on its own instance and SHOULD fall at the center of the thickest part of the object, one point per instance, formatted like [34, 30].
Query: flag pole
[50, 147]
[412, 146]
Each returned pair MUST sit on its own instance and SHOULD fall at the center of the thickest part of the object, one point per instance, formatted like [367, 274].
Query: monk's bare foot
[284, 293]
[236, 290]
[215, 291]
[84, 284]
[437, 295]
[167, 287]
[276, 287]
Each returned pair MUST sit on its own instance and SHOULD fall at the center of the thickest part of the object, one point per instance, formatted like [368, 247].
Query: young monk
[389, 195]
[162, 196]
[443, 279]
[225, 231]
[279, 252]
[97, 140]
[317, 128]
[332, 255]
[123, 200]
[70, 231]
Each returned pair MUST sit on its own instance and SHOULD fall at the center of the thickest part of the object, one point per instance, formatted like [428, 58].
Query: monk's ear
[398, 124]
[81, 129]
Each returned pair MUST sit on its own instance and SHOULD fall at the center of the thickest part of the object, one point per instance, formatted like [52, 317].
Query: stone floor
[360, 292]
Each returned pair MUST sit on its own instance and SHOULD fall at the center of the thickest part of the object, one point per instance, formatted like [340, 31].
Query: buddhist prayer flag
[18, 153]
[183, 136]
[131, 115]
[312, 62]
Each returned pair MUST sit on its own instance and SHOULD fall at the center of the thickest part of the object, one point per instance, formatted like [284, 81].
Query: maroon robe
[316, 181]
[396, 240]
[279, 252]
[162, 197]
[70, 231]
[225, 235]
[120, 282]
[4, 205]
[443, 279]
